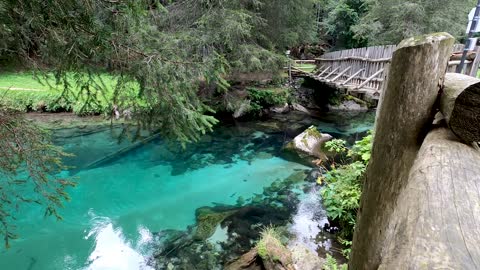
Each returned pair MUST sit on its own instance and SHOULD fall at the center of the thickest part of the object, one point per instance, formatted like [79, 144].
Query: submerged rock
[208, 220]
[248, 261]
[314, 174]
[269, 254]
[310, 142]
[349, 106]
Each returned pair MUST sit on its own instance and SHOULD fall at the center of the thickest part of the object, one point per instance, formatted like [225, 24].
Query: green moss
[270, 247]
[262, 250]
[312, 131]
[295, 177]
[207, 221]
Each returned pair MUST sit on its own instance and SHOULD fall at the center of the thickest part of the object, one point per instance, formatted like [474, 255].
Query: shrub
[343, 186]
[264, 98]
[331, 264]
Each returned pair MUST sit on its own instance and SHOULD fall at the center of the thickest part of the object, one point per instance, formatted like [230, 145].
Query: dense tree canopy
[159, 53]
[167, 49]
[390, 21]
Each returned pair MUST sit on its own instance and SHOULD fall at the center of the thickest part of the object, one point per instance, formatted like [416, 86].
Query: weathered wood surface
[358, 70]
[406, 108]
[460, 104]
[366, 60]
[436, 222]
[471, 64]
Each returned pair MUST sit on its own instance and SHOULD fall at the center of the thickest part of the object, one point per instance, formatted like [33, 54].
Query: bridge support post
[406, 109]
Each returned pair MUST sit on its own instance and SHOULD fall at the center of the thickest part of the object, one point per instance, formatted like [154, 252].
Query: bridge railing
[355, 67]
[362, 70]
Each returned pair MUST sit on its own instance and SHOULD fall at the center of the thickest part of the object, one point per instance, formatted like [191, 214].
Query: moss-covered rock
[207, 221]
[269, 254]
[310, 142]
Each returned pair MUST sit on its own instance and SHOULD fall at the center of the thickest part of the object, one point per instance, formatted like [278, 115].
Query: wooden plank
[321, 73]
[330, 74]
[351, 77]
[353, 58]
[341, 73]
[370, 78]
[457, 62]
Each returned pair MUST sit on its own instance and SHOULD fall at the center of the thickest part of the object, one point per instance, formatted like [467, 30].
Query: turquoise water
[119, 206]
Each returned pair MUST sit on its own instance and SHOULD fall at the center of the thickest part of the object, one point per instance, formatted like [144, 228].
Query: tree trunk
[436, 222]
[460, 104]
[405, 114]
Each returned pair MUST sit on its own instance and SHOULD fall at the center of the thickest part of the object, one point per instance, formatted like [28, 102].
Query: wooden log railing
[420, 205]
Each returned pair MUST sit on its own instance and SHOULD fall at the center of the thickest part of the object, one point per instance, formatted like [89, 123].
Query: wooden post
[476, 63]
[460, 104]
[406, 109]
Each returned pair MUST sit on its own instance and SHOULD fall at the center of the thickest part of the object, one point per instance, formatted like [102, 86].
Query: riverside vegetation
[177, 67]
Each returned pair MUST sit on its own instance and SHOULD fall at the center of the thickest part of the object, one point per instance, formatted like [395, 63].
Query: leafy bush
[27, 101]
[331, 264]
[341, 194]
[264, 98]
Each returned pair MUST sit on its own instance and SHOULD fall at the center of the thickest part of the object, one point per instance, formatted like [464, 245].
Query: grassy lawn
[306, 67]
[20, 80]
[22, 91]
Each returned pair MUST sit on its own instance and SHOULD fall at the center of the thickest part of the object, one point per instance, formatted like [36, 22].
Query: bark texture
[436, 222]
[460, 104]
[405, 114]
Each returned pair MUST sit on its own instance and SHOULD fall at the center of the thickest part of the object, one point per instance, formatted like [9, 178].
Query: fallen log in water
[460, 104]
[436, 222]
[122, 152]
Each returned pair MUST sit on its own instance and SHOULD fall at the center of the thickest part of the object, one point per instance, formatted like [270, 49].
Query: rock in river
[310, 142]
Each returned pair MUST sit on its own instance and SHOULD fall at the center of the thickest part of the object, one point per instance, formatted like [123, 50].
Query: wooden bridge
[361, 72]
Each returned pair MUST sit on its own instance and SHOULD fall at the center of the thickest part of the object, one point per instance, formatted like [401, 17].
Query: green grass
[309, 68]
[20, 80]
[22, 91]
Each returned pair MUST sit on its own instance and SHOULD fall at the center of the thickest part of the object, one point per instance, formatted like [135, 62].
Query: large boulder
[310, 142]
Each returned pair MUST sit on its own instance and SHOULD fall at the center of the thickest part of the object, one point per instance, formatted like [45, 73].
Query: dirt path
[20, 89]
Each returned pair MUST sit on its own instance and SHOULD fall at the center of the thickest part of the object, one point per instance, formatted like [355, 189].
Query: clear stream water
[117, 207]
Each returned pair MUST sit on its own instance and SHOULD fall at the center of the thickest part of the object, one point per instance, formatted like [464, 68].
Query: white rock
[281, 109]
[311, 141]
[300, 108]
[349, 105]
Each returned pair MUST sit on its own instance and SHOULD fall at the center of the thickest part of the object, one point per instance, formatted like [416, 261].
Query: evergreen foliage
[390, 21]
[167, 47]
[28, 162]
[337, 19]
